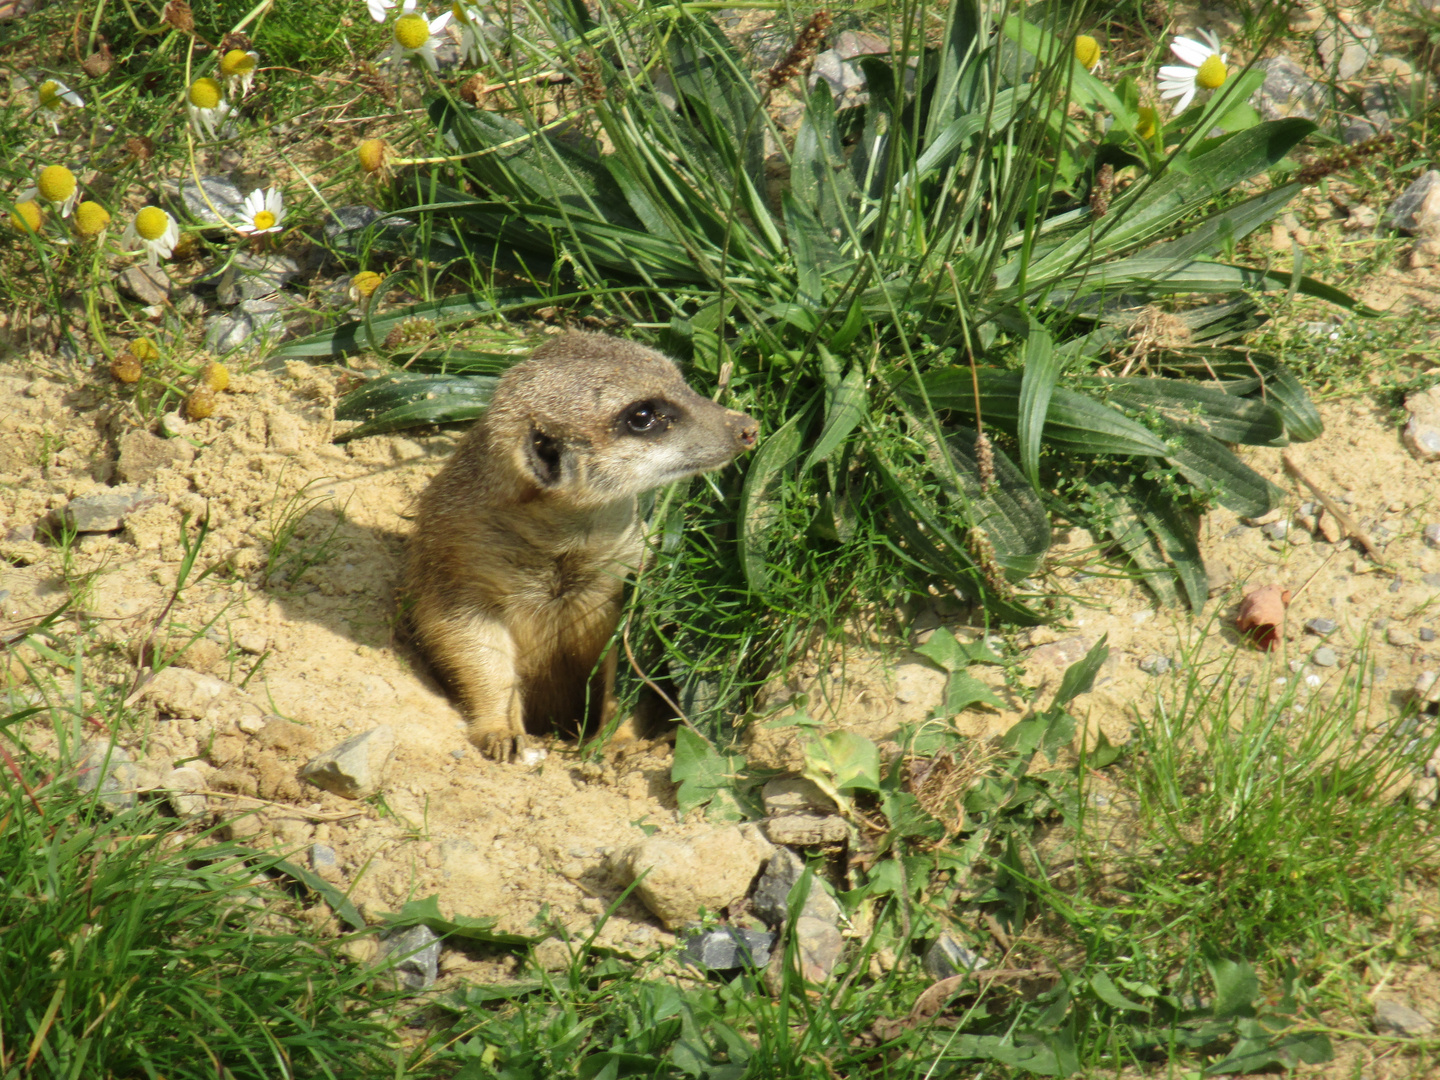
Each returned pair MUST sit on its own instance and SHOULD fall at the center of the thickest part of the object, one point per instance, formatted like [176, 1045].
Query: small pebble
[1432, 580]
[1398, 635]
[1431, 536]
[1324, 657]
[1426, 634]
[1276, 530]
[1155, 665]
[1380, 624]
[1322, 627]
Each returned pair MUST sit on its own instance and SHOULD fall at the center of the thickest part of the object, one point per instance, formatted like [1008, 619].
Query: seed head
[26, 215]
[201, 404]
[1087, 51]
[178, 15]
[801, 53]
[364, 284]
[56, 183]
[151, 222]
[375, 157]
[125, 367]
[411, 31]
[91, 218]
[216, 376]
[99, 62]
[409, 333]
[140, 147]
[236, 62]
[205, 93]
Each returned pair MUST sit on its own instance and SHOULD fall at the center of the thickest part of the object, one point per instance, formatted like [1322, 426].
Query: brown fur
[523, 541]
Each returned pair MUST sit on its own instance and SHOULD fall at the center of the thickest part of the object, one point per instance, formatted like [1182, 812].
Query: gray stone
[108, 768]
[1155, 665]
[1357, 131]
[413, 954]
[726, 948]
[1398, 635]
[102, 512]
[850, 44]
[182, 787]
[1322, 627]
[841, 76]
[770, 901]
[348, 223]
[1287, 91]
[1277, 530]
[947, 958]
[225, 196]
[142, 455]
[1391, 1017]
[803, 830]
[1345, 48]
[1431, 536]
[1324, 657]
[679, 876]
[795, 795]
[819, 944]
[1433, 580]
[1411, 209]
[253, 277]
[148, 284]
[322, 857]
[1427, 634]
[356, 767]
[251, 318]
[1421, 434]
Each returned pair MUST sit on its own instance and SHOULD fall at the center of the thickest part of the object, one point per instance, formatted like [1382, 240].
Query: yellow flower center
[1087, 51]
[50, 95]
[236, 62]
[56, 183]
[90, 218]
[144, 350]
[151, 223]
[264, 220]
[411, 31]
[205, 93]
[373, 155]
[1211, 74]
[26, 215]
[1147, 122]
[366, 282]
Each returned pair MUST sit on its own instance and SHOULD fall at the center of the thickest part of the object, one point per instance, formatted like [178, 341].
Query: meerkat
[523, 541]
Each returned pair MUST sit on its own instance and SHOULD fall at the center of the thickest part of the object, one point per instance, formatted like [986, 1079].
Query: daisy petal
[1192, 52]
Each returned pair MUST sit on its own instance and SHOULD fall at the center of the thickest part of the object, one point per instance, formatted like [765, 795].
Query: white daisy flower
[378, 8]
[1205, 66]
[416, 38]
[154, 230]
[55, 97]
[237, 68]
[57, 186]
[472, 31]
[264, 212]
[208, 109]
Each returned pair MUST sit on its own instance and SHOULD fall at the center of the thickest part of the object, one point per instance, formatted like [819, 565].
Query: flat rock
[348, 223]
[1391, 1017]
[148, 284]
[795, 795]
[250, 319]
[413, 955]
[1417, 209]
[108, 768]
[804, 830]
[220, 192]
[104, 511]
[1421, 434]
[356, 767]
[946, 958]
[852, 43]
[182, 787]
[253, 277]
[819, 944]
[1287, 91]
[843, 77]
[770, 900]
[1345, 48]
[142, 455]
[728, 948]
[709, 870]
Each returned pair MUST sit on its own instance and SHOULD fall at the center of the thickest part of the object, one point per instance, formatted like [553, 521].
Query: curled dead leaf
[1262, 612]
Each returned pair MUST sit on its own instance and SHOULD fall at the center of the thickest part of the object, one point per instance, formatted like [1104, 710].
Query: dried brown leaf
[1262, 612]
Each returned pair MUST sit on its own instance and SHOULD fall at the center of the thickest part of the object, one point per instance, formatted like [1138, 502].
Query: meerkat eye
[642, 417]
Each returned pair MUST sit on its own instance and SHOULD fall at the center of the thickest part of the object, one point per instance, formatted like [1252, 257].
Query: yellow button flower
[1204, 65]
[1087, 52]
[207, 107]
[91, 218]
[155, 231]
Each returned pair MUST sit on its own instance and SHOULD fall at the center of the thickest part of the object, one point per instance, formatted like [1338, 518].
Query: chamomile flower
[155, 231]
[379, 8]
[56, 185]
[207, 107]
[1204, 66]
[27, 215]
[237, 68]
[91, 218]
[54, 98]
[375, 155]
[416, 38]
[1087, 52]
[263, 213]
[472, 30]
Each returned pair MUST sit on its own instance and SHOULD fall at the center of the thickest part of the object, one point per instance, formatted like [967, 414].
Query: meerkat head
[601, 419]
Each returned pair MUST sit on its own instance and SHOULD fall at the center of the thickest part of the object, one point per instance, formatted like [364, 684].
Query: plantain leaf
[760, 498]
[1037, 386]
[1253, 374]
[846, 404]
[1012, 516]
[1212, 468]
[405, 400]
[1227, 417]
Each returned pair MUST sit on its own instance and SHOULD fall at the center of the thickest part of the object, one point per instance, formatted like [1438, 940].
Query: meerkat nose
[746, 430]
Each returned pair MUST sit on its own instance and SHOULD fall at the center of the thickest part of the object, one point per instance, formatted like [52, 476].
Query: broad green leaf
[1253, 374]
[846, 404]
[357, 335]
[1106, 990]
[1122, 518]
[963, 690]
[950, 92]
[760, 498]
[701, 771]
[842, 762]
[426, 912]
[943, 649]
[1080, 676]
[1213, 469]
[1176, 535]
[1011, 514]
[1037, 385]
[1265, 1052]
[1226, 417]
[818, 177]
[400, 402]
[1236, 986]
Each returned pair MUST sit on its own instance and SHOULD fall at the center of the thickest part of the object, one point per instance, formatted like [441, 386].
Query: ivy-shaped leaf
[702, 771]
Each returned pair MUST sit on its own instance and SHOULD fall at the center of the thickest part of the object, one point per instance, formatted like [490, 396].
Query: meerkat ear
[542, 454]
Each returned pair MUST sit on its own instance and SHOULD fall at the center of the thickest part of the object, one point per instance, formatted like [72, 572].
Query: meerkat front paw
[499, 745]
